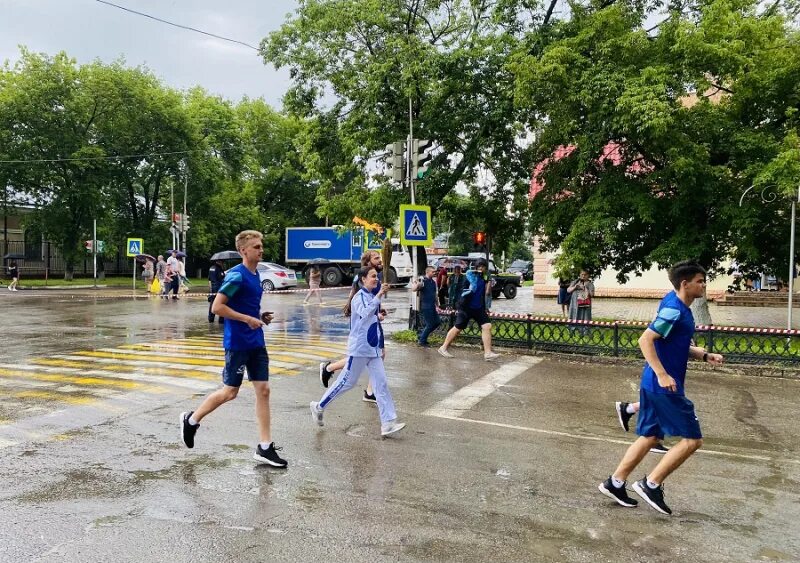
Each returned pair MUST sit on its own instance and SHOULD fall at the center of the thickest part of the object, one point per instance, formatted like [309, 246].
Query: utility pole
[791, 259]
[185, 191]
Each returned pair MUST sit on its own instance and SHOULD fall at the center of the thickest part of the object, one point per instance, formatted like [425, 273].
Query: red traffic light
[479, 237]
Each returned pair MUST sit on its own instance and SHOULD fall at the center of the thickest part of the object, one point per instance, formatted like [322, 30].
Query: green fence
[619, 338]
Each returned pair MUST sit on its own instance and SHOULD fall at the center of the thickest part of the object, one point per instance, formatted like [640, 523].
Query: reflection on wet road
[49, 384]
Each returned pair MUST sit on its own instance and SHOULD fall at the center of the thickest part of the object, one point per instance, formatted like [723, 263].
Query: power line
[38, 160]
[178, 25]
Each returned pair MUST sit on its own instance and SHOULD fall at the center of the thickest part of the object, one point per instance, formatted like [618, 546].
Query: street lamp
[769, 197]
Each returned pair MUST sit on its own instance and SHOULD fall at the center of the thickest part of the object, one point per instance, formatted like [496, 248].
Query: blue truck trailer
[338, 253]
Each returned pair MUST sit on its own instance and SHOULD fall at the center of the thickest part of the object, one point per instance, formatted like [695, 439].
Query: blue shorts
[663, 414]
[255, 360]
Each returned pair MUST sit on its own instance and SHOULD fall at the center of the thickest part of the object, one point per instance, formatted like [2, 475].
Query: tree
[446, 56]
[696, 111]
[48, 112]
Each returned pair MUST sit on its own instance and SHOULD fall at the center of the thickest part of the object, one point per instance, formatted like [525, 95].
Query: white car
[275, 276]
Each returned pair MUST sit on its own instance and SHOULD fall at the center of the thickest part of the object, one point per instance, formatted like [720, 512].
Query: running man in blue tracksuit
[365, 350]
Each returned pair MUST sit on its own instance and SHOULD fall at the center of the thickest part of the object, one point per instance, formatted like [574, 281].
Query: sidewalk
[645, 309]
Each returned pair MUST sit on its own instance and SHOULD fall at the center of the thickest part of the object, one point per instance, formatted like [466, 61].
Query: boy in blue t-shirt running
[239, 302]
[664, 409]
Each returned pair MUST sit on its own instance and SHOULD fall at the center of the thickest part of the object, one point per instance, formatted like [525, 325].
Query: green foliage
[241, 166]
[700, 109]
[448, 58]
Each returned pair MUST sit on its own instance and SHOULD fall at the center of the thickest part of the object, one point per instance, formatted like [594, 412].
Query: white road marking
[463, 400]
[467, 397]
[591, 438]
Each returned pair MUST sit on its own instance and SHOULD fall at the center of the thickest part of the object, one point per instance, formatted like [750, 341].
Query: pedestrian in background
[169, 278]
[314, 280]
[456, 286]
[216, 275]
[581, 293]
[13, 273]
[147, 274]
[441, 283]
[183, 281]
[426, 286]
[161, 269]
[174, 274]
[563, 298]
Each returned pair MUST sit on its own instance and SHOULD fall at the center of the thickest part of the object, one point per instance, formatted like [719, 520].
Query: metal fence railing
[620, 338]
[42, 259]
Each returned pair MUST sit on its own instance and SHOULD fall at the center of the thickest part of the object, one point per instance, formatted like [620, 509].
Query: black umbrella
[226, 255]
[178, 255]
[144, 258]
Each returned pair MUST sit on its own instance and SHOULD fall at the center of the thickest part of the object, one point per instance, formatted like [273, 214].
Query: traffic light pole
[414, 306]
[94, 251]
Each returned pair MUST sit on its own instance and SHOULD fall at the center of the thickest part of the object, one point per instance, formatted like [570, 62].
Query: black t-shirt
[13, 272]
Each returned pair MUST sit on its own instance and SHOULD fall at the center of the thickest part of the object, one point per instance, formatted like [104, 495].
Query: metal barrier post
[616, 338]
[710, 340]
[529, 330]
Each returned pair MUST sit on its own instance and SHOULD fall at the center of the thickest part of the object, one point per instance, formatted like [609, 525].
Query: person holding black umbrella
[216, 274]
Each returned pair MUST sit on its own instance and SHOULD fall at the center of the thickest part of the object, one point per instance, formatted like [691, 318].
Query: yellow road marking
[70, 398]
[74, 379]
[166, 348]
[150, 358]
[125, 367]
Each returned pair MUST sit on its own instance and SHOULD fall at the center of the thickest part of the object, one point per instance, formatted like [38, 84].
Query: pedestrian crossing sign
[135, 247]
[415, 225]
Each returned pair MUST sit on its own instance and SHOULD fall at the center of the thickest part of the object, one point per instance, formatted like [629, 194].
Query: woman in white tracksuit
[364, 351]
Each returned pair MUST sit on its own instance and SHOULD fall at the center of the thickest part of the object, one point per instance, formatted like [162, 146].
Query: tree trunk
[702, 316]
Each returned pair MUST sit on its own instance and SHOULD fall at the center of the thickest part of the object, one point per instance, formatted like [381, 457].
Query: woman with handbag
[581, 294]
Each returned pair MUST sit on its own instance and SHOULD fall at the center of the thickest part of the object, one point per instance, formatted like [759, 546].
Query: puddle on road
[82, 484]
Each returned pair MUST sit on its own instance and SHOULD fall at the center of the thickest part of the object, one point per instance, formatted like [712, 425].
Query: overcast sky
[87, 30]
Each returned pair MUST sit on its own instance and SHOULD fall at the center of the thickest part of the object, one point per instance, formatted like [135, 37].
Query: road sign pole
[134, 274]
[94, 252]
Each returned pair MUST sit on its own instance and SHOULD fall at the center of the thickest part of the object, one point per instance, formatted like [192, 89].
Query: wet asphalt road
[500, 460]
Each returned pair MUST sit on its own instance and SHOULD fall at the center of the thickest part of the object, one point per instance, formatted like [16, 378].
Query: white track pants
[348, 378]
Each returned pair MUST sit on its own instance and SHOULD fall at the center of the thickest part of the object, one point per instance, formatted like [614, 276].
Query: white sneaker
[392, 427]
[316, 413]
[445, 353]
[490, 356]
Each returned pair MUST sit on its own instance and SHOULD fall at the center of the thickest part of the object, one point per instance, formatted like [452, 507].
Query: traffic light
[101, 246]
[479, 238]
[421, 157]
[394, 161]
[184, 223]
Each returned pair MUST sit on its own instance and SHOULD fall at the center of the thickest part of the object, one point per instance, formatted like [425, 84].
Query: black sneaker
[623, 415]
[619, 494]
[188, 430]
[367, 398]
[659, 449]
[324, 374]
[270, 456]
[653, 497]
